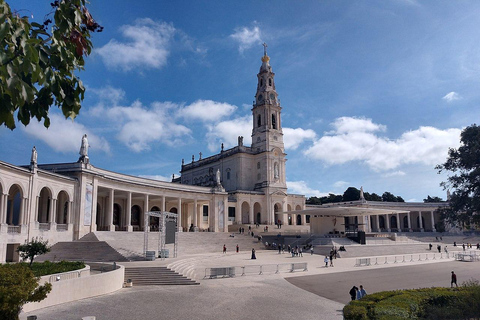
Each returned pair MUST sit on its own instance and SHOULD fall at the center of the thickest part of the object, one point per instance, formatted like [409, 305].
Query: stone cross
[264, 49]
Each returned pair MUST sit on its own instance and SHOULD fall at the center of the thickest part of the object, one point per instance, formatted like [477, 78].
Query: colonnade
[383, 222]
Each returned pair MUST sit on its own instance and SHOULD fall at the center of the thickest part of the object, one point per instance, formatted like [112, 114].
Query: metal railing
[13, 229]
[211, 273]
[62, 227]
[44, 226]
[467, 256]
[67, 275]
[414, 257]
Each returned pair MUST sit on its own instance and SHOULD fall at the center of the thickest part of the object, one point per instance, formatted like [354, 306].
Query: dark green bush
[428, 303]
[47, 267]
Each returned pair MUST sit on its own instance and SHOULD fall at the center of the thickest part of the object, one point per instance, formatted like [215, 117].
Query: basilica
[239, 186]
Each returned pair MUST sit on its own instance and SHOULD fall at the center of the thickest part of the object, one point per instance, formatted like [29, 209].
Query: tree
[37, 63]
[18, 285]
[432, 199]
[463, 165]
[372, 196]
[32, 249]
[351, 194]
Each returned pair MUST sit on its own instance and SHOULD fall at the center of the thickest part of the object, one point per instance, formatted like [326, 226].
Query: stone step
[150, 276]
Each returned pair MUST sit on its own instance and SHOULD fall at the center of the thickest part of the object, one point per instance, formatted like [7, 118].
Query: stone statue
[33, 160]
[240, 141]
[84, 148]
[275, 171]
[218, 177]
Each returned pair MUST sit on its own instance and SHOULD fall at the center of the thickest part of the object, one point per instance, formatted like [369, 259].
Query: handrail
[215, 272]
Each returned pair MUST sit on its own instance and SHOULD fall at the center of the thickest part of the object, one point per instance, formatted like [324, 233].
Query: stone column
[3, 209]
[195, 213]
[420, 222]
[163, 204]
[199, 215]
[238, 212]
[399, 225]
[145, 210]
[433, 221]
[409, 222]
[179, 212]
[51, 218]
[252, 214]
[387, 222]
[109, 220]
[54, 211]
[284, 216]
[128, 218]
[377, 220]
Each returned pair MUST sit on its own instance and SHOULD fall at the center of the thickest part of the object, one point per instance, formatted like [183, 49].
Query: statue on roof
[33, 160]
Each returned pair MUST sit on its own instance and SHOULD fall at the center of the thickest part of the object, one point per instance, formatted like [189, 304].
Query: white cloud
[300, 187]
[147, 46]
[227, 132]
[292, 138]
[246, 37]
[138, 127]
[156, 177]
[341, 184]
[451, 96]
[398, 173]
[426, 145]
[65, 135]
[207, 110]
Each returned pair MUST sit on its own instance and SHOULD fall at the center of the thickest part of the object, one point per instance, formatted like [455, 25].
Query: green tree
[38, 61]
[463, 166]
[351, 194]
[432, 199]
[18, 285]
[32, 249]
[372, 196]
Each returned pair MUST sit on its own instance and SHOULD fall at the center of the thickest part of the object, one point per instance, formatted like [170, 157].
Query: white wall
[86, 286]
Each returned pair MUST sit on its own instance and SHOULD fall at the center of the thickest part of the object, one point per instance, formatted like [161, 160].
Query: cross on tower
[264, 49]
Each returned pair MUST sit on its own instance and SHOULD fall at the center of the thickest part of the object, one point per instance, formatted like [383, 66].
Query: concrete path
[319, 293]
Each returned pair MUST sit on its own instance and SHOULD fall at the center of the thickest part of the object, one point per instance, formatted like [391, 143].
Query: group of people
[439, 248]
[357, 293]
[237, 248]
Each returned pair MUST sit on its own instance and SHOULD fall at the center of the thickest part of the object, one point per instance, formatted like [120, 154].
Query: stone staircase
[89, 249]
[155, 276]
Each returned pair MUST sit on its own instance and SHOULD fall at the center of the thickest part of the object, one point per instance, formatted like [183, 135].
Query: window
[258, 165]
[274, 122]
[228, 174]
[261, 82]
[270, 82]
[259, 120]
[231, 213]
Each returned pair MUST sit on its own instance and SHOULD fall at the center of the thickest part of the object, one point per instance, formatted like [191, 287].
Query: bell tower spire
[267, 125]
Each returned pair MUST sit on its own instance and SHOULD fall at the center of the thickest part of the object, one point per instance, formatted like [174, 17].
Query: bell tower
[267, 134]
[267, 124]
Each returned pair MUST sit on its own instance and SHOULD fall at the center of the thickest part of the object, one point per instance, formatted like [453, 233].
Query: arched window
[261, 82]
[259, 120]
[274, 122]
[270, 82]
[228, 173]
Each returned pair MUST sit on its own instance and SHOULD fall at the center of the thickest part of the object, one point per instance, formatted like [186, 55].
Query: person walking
[454, 280]
[326, 263]
[311, 250]
[253, 254]
[224, 249]
[238, 248]
[361, 292]
[353, 291]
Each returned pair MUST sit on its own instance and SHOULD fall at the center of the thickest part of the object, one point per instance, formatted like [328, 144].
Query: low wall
[86, 286]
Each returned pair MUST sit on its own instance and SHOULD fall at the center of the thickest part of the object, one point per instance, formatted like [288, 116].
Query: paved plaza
[319, 293]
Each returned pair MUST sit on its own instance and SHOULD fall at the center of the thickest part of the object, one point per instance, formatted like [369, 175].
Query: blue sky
[373, 92]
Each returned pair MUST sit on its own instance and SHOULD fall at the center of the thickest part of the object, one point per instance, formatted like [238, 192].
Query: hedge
[426, 303]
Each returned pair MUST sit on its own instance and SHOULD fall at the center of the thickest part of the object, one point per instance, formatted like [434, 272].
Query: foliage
[47, 267]
[353, 194]
[432, 199]
[464, 166]
[428, 303]
[32, 249]
[18, 285]
[37, 63]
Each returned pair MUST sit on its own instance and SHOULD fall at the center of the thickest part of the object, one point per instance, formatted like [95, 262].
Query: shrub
[18, 285]
[47, 267]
